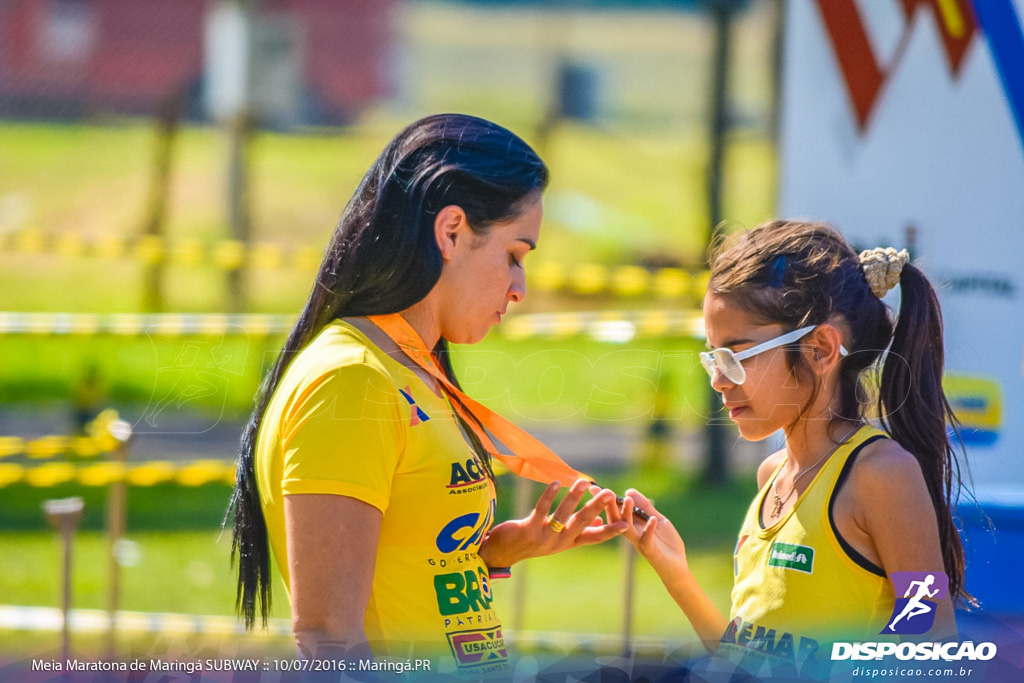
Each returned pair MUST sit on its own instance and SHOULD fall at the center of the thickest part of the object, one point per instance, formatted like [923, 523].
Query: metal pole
[716, 464]
[239, 128]
[65, 514]
[778, 53]
[116, 513]
[629, 553]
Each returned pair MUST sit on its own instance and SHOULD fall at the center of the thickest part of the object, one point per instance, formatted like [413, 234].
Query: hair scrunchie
[882, 267]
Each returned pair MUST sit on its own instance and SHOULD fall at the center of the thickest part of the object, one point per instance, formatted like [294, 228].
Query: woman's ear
[449, 227]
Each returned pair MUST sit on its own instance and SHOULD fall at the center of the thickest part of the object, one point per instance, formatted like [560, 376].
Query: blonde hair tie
[882, 267]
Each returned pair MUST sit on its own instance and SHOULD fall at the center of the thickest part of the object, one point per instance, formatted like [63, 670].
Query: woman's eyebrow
[530, 243]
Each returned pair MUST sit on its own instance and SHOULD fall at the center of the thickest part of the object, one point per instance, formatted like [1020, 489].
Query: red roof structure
[72, 58]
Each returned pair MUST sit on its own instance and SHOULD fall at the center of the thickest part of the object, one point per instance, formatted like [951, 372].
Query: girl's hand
[657, 540]
[546, 531]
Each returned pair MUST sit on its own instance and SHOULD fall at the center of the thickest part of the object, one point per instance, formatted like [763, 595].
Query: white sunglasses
[730, 364]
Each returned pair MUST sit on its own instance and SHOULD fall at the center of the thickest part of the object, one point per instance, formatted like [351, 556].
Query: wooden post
[171, 109]
[65, 514]
[239, 128]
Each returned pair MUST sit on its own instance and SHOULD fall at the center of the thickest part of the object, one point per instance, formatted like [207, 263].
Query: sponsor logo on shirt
[465, 531]
[791, 556]
[418, 415]
[478, 648]
[462, 592]
[466, 477]
[765, 641]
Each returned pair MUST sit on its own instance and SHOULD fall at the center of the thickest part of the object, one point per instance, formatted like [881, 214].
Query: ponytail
[249, 541]
[915, 412]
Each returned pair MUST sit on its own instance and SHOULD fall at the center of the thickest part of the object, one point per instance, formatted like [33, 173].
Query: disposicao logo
[914, 613]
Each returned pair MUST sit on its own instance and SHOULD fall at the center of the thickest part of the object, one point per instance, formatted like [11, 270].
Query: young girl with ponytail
[863, 489]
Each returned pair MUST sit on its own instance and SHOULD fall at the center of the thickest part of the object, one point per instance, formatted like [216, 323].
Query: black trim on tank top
[851, 552]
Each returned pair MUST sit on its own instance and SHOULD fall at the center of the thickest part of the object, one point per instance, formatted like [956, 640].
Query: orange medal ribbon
[529, 457]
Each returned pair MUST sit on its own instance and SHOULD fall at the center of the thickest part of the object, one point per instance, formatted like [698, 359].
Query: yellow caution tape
[52, 446]
[229, 255]
[149, 249]
[49, 475]
[101, 474]
[10, 474]
[98, 440]
[188, 473]
[151, 473]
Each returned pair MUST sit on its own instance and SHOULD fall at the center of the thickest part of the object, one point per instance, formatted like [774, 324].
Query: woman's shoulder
[339, 353]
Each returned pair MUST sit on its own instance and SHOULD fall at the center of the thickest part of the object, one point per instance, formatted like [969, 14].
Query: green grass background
[92, 181]
[180, 560]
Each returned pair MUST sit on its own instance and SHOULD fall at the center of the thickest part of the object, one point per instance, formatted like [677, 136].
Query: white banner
[903, 125]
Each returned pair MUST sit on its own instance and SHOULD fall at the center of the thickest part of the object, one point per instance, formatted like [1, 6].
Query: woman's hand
[657, 540]
[545, 532]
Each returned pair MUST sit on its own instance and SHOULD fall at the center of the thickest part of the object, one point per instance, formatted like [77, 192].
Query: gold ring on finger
[555, 525]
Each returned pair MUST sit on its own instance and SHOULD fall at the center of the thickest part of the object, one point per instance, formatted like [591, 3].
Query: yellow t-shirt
[799, 585]
[347, 419]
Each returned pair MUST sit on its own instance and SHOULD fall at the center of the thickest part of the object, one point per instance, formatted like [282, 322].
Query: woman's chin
[468, 336]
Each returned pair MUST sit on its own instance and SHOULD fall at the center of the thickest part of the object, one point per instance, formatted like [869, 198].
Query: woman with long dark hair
[800, 340]
[365, 471]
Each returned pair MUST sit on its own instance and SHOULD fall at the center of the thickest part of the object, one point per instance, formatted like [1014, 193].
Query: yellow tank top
[798, 584]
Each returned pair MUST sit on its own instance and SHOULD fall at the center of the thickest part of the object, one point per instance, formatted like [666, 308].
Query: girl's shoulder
[885, 458]
[768, 466]
[885, 468]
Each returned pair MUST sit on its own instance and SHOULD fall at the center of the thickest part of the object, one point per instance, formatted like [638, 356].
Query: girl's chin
[754, 430]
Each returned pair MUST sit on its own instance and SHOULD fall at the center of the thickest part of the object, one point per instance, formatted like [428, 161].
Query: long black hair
[383, 258]
[805, 273]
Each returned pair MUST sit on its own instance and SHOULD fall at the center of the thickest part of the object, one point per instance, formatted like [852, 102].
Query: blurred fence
[152, 473]
[616, 326]
[19, 618]
[103, 439]
[232, 255]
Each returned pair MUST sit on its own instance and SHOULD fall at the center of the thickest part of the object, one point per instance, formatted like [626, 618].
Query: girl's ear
[824, 343]
[449, 227]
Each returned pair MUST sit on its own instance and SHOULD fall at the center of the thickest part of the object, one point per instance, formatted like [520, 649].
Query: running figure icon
[916, 606]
